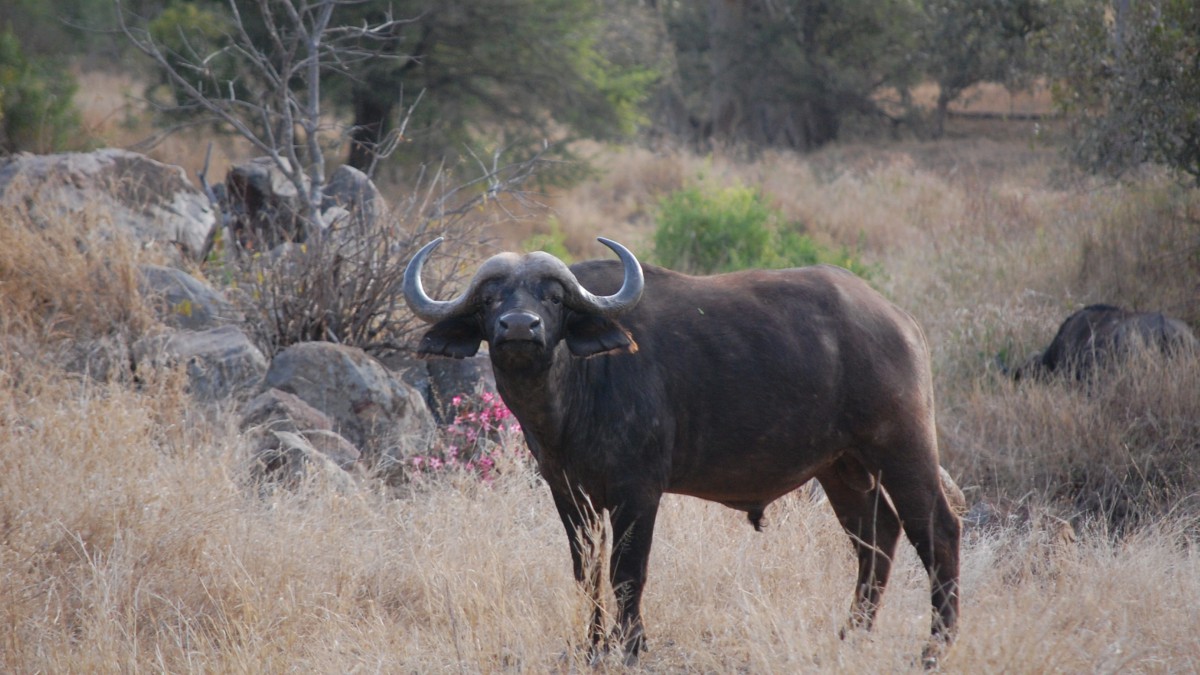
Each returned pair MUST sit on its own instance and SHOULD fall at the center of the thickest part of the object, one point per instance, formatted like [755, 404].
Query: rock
[372, 408]
[115, 190]
[457, 377]
[220, 362]
[182, 301]
[264, 206]
[982, 515]
[440, 380]
[276, 419]
[294, 457]
[351, 195]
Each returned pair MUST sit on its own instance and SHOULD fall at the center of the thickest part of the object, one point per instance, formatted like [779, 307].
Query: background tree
[789, 73]
[1130, 81]
[966, 42]
[37, 113]
[500, 73]
[267, 89]
[343, 283]
[511, 73]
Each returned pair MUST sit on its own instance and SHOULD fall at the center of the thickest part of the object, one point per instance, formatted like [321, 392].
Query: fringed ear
[458, 337]
[589, 335]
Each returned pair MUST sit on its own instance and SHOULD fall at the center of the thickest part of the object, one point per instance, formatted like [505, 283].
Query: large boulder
[440, 381]
[220, 362]
[290, 437]
[264, 206]
[353, 192]
[371, 407]
[117, 191]
[182, 301]
[265, 209]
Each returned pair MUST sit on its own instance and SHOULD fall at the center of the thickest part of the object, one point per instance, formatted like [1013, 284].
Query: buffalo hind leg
[935, 531]
[633, 532]
[874, 530]
[585, 531]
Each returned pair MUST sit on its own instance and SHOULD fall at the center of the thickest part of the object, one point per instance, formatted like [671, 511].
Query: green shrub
[37, 113]
[185, 29]
[553, 242]
[702, 230]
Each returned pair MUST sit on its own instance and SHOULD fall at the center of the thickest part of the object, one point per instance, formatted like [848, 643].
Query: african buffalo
[1098, 336]
[736, 388]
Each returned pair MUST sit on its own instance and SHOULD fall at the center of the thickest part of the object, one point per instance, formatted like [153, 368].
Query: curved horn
[624, 299]
[424, 307]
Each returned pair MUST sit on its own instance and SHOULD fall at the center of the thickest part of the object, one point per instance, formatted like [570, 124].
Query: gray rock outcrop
[116, 191]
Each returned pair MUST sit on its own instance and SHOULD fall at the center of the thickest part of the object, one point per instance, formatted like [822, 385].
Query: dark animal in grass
[631, 381]
[1099, 336]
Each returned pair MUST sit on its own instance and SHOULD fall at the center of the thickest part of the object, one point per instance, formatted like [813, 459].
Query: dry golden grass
[130, 540]
[131, 543]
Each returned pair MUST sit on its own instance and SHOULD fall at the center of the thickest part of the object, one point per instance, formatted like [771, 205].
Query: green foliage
[969, 41]
[702, 230]
[512, 73]
[191, 34]
[61, 27]
[1130, 82]
[552, 242]
[791, 73]
[37, 113]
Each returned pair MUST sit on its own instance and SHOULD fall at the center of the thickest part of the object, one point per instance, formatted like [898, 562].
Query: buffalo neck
[534, 395]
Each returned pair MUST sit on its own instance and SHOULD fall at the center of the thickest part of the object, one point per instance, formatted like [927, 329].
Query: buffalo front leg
[633, 532]
[585, 531]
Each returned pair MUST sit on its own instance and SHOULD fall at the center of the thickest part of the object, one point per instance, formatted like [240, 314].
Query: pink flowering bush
[483, 439]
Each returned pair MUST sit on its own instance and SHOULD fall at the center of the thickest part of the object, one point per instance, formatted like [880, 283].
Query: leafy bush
[553, 242]
[707, 231]
[37, 113]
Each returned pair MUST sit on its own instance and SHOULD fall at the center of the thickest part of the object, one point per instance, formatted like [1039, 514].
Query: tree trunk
[372, 124]
[727, 29]
[752, 98]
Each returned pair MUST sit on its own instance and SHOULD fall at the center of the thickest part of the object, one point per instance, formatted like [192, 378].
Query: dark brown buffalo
[735, 388]
[1098, 336]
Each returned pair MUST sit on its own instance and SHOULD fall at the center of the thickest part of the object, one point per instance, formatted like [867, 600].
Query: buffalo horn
[424, 307]
[622, 300]
[431, 311]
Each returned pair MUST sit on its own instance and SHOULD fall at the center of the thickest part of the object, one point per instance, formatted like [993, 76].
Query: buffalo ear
[588, 335]
[458, 337]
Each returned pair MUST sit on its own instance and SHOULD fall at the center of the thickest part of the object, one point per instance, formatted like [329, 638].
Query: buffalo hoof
[932, 654]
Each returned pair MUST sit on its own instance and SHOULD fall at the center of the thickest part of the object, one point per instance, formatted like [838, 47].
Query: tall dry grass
[131, 540]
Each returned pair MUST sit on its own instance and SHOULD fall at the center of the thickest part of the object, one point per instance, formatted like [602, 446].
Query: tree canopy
[1129, 77]
[461, 76]
[506, 72]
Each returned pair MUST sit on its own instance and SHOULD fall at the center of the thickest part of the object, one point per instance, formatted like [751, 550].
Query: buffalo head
[523, 307]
